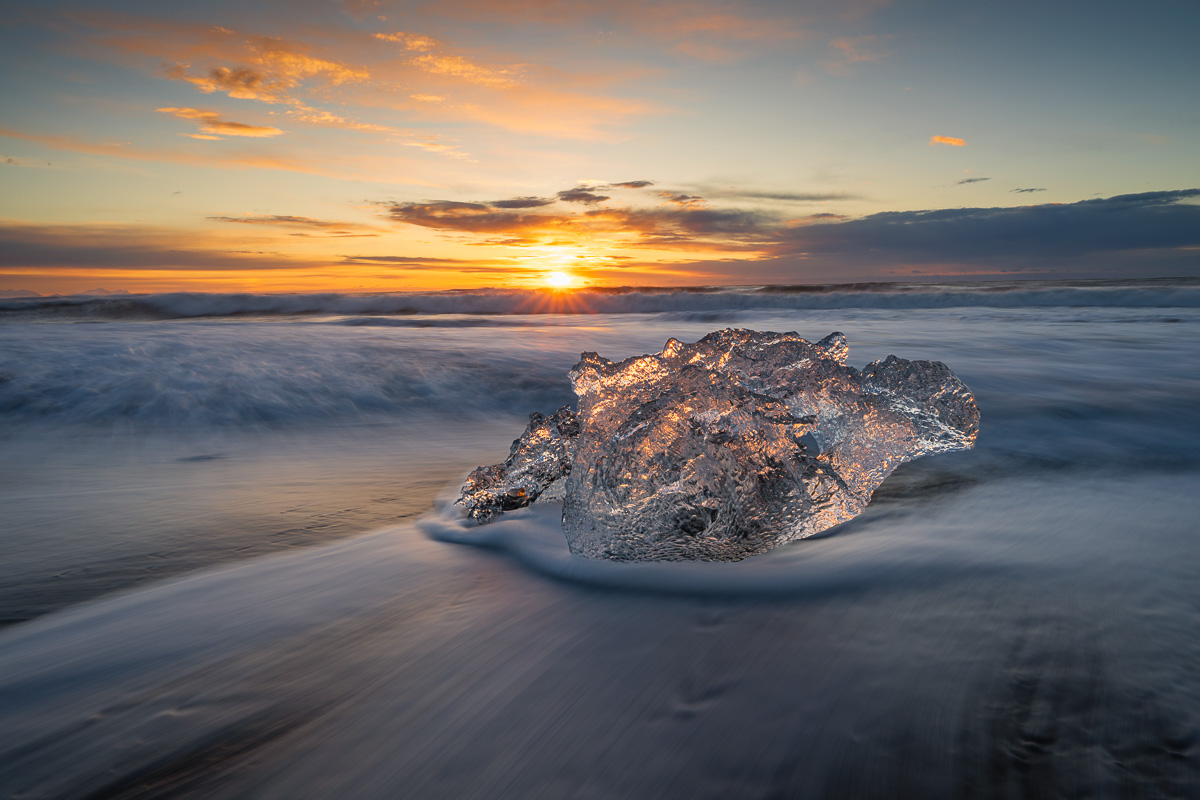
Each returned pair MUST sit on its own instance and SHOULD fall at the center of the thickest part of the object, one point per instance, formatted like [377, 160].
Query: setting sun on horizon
[559, 280]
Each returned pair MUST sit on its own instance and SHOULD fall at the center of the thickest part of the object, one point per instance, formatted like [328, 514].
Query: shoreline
[88, 515]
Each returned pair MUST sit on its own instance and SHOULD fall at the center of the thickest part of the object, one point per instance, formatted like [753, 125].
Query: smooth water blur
[87, 512]
[135, 450]
[1013, 621]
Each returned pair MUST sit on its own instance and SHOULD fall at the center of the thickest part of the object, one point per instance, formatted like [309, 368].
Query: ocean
[228, 567]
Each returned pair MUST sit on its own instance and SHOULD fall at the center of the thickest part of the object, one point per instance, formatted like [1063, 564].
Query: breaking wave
[1163, 293]
[200, 375]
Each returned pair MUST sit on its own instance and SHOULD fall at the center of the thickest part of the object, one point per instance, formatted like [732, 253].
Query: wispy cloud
[849, 51]
[732, 193]
[505, 267]
[306, 226]
[1027, 191]
[972, 180]
[953, 141]
[684, 200]
[410, 41]
[320, 77]
[131, 247]
[17, 161]
[212, 123]
[464, 69]
[670, 23]
[429, 55]
[387, 169]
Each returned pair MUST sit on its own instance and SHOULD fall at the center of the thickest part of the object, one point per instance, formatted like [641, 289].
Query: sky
[372, 145]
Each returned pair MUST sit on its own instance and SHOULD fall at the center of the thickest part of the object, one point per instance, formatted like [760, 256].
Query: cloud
[1026, 191]
[683, 20]
[783, 197]
[707, 51]
[306, 225]
[453, 215]
[464, 69]
[274, 80]
[630, 185]
[1147, 221]
[270, 69]
[433, 264]
[816, 219]
[251, 84]
[344, 75]
[17, 161]
[211, 123]
[972, 180]
[129, 247]
[686, 225]
[448, 64]
[156, 258]
[1037, 238]
[1146, 234]
[953, 141]
[581, 195]
[854, 50]
[278, 219]
[409, 41]
[406, 260]
[523, 202]
[418, 75]
[376, 169]
[680, 199]
[680, 225]
[710, 32]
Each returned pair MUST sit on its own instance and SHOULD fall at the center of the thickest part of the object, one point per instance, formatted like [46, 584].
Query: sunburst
[559, 280]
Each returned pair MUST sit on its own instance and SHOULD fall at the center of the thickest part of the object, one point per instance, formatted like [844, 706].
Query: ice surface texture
[727, 447]
[536, 468]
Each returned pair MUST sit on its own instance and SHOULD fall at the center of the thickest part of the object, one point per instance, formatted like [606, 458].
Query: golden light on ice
[559, 280]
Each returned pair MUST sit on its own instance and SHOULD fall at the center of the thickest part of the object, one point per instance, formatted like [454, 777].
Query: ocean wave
[1094, 393]
[220, 376]
[1173, 293]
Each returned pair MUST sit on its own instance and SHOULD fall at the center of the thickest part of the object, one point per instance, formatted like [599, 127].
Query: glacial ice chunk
[724, 448]
[742, 441]
[536, 468]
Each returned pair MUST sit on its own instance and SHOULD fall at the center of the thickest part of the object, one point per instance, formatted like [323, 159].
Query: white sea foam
[1172, 293]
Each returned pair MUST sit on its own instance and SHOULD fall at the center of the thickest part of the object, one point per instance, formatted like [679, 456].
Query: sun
[559, 280]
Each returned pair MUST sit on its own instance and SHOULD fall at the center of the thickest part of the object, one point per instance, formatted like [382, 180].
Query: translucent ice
[724, 448]
[536, 468]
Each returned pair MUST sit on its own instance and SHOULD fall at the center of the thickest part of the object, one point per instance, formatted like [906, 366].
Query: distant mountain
[18, 293]
[102, 292]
